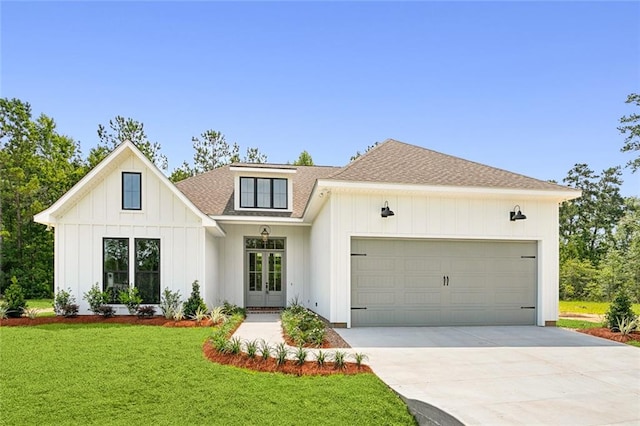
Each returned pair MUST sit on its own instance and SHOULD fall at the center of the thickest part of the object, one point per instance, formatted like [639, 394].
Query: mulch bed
[331, 340]
[611, 335]
[118, 319]
[309, 368]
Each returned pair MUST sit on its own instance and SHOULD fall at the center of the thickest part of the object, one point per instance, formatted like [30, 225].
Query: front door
[264, 276]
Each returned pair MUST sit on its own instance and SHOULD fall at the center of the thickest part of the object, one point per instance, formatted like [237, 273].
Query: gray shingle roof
[388, 162]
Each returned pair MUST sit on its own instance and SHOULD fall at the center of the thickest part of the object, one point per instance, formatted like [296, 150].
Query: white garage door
[439, 282]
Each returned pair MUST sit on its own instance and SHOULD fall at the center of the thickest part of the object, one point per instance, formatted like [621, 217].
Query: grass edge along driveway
[117, 374]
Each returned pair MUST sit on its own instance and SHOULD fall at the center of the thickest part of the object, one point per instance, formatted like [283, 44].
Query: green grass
[583, 307]
[577, 324]
[113, 374]
[40, 303]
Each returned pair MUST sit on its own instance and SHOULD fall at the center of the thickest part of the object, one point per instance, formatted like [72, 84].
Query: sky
[530, 87]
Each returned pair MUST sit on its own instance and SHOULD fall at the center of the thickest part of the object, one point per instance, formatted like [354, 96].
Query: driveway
[507, 375]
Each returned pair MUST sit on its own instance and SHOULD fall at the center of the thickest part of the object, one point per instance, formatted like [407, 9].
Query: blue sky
[531, 87]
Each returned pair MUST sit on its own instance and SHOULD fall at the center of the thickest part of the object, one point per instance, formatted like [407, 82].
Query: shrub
[62, 298]
[321, 358]
[194, 302]
[178, 314]
[265, 349]
[131, 299]
[14, 298]
[627, 325]
[70, 310]
[217, 316]
[170, 302]
[301, 355]
[3, 310]
[619, 310]
[199, 315]
[281, 352]
[235, 346]
[358, 357]
[147, 311]
[30, 313]
[96, 299]
[251, 346]
[303, 326]
[339, 359]
[106, 311]
[230, 309]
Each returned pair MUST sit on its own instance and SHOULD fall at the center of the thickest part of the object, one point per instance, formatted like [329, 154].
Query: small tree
[620, 310]
[96, 299]
[194, 302]
[14, 298]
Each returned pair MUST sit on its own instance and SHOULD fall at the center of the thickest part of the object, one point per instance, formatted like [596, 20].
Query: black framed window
[147, 269]
[131, 191]
[115, 266]
[263, 193]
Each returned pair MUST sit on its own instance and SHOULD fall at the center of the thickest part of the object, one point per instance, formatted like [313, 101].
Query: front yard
[118, 374]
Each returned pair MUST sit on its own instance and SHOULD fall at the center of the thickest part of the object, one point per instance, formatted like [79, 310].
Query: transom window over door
[131, 191]
[263, 193]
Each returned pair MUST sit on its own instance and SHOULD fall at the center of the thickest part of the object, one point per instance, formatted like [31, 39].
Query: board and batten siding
[435, 216]
[98, 214]
[321, 265]
[231, 260]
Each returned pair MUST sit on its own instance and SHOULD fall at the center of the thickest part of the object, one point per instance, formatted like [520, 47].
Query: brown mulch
[331, 340]
[309, 368]
[118, 319]
[611, 335]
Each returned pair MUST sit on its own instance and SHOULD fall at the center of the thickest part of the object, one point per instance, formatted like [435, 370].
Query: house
[401, 236]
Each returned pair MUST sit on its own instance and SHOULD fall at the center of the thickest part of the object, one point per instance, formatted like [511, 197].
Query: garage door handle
[445, 280]
[357, 308]
[527, 307]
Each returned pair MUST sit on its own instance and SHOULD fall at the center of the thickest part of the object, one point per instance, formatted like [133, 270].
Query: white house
[401, 236]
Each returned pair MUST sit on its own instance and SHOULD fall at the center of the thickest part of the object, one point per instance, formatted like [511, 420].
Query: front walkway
[507, 375]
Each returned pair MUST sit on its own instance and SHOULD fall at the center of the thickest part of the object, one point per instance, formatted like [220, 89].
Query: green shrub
[303, 326]
[14, 298]
[339, 358]
[170, 302]
[251, 346]
[63, 301]
[96, 299]
[281, 352]
[131, 299]
[230, 309]
[194, 302]
[3, 310]
[620, 310]
[301, 355]
[147, 311]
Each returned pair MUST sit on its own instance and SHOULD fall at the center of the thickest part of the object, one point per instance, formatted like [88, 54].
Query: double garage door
[442, 282]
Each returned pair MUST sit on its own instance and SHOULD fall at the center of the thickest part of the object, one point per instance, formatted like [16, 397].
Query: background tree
[211, 150]
[358, 154]
[122, 129]
[304, 159]
[38, 166]
[630, 126]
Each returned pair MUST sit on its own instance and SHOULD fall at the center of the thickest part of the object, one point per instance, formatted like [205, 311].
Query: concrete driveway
[507, 375]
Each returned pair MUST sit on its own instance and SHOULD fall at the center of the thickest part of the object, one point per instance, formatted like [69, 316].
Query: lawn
[577, 324]
[117, 374]
[40, 303]
[582, 307]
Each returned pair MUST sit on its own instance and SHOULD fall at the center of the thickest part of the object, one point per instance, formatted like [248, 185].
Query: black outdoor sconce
[386, 211]
[516, 214]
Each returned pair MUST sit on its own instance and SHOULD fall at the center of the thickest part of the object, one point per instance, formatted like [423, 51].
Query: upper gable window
[131, 191]
[263, 193]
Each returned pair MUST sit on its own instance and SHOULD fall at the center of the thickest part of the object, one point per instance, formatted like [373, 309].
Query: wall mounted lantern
[386, 211]
[516, 214]
[265, 231]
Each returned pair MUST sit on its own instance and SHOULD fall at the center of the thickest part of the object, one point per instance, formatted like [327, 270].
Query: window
[115, 267]
[131, 191]
[263, 193]
[148, 269]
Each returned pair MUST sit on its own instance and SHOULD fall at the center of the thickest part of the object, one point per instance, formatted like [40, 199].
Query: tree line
[599, 232]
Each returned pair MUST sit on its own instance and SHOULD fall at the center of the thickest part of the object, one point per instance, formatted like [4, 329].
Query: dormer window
[131, 191]
[263, 193]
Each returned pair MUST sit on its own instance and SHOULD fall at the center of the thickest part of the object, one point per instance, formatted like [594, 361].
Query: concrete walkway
[507, 375]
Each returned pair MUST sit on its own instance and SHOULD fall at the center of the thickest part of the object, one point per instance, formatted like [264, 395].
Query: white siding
[211, 261]
[98, 214]
[321, 255]
[437, 216]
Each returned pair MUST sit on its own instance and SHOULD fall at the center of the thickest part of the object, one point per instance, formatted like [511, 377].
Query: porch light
[265, 231]
[516, 214]
[386, 211]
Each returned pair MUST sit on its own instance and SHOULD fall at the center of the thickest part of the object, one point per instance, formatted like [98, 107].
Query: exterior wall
[210, 294]
[320, 277]
[232, 260]
[98, 214]
[443, 217]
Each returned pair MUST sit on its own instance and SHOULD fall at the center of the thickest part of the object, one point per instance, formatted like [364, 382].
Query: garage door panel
[402, 282]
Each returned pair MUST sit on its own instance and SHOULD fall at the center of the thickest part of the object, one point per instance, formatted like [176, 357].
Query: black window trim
[255, 193]
[139, 193]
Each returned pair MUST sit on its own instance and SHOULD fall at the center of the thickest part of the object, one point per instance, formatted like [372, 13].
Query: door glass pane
[115, 267]
[275, 271]
[148, 269]
[255, 271]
